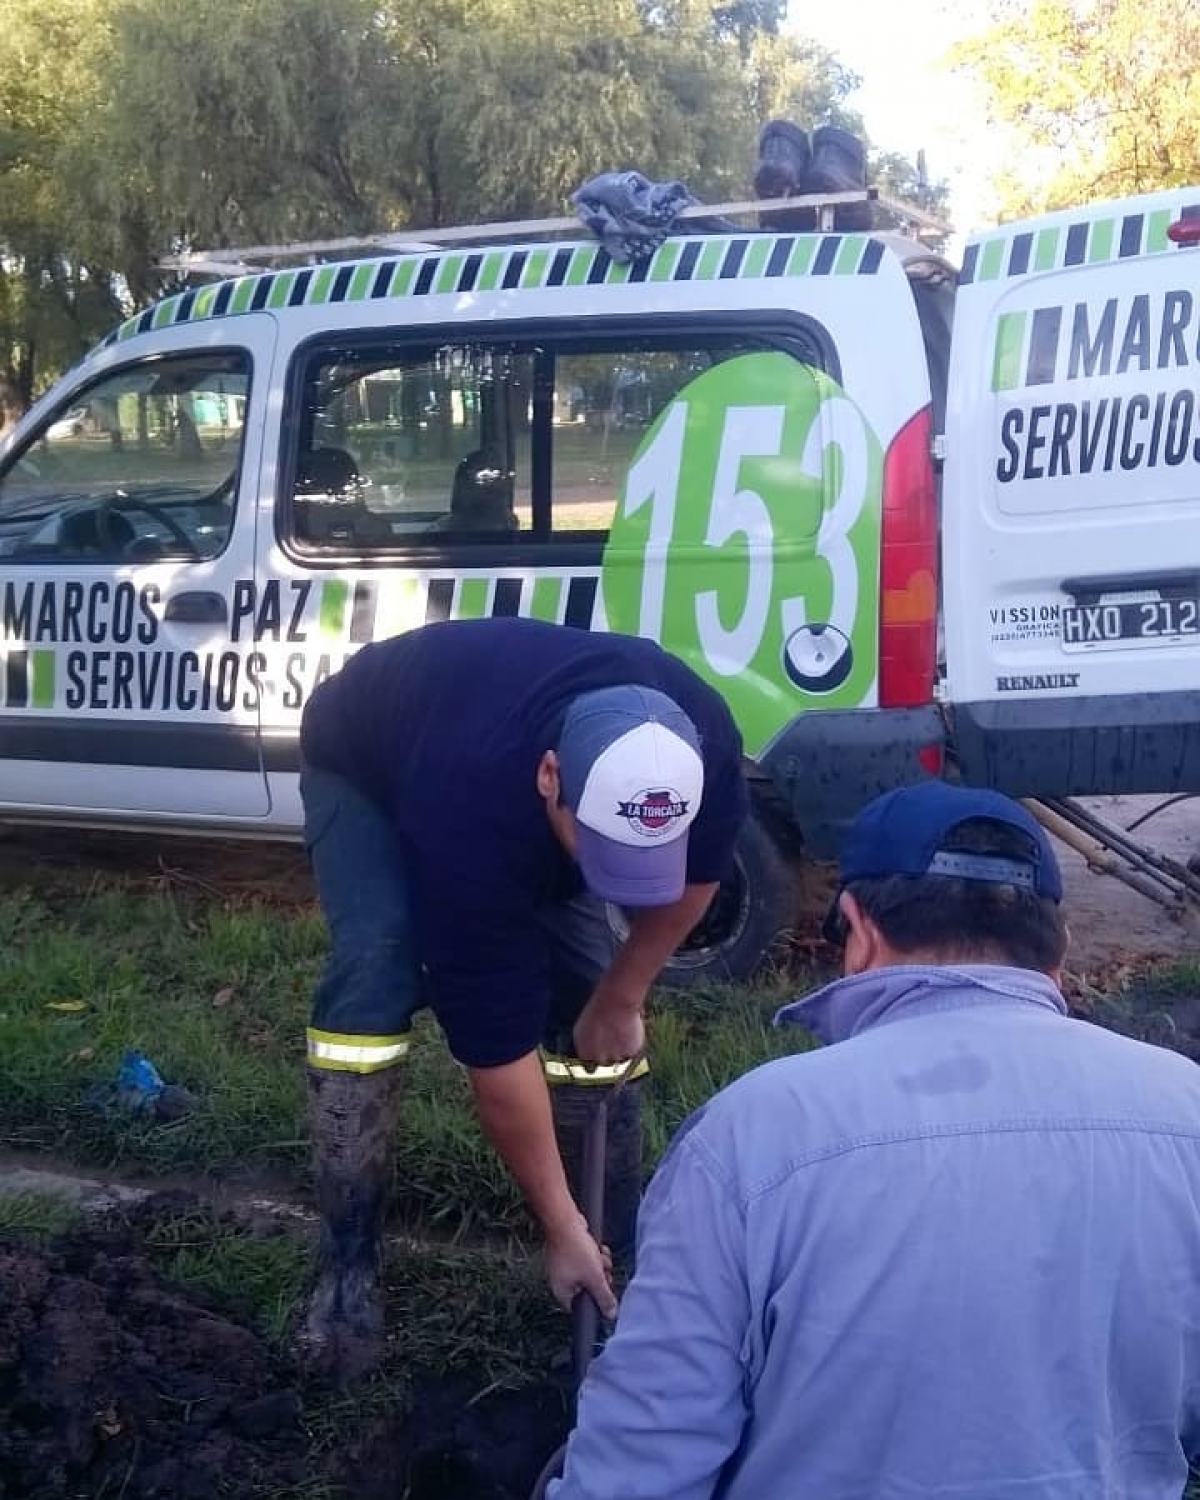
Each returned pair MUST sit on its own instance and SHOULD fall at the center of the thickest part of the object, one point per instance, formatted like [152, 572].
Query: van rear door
[1071, 526]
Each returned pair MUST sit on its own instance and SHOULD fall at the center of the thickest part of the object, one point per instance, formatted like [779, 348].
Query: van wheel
[752, 910]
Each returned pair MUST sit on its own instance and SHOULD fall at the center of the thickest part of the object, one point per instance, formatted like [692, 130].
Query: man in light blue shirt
[957, 1254]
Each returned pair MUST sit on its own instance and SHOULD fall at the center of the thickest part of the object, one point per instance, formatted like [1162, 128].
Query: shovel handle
[585, 1315]
[585, 1330]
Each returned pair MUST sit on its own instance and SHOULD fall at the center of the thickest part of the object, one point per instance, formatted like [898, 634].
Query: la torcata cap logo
[653, 812]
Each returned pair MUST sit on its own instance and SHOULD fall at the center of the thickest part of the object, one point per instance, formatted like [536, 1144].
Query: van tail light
[908, 568]
[1186, 229]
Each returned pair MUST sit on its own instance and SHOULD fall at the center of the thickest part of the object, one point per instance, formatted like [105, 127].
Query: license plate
[1145, 620]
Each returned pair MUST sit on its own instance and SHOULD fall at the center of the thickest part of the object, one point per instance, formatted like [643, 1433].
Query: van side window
[604, 404]
[141, 467]
[417, 447]
[404, 447]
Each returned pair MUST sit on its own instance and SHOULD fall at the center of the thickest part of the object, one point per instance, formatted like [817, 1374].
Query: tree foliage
[1101, 96]
[130, 128]
[56, 291]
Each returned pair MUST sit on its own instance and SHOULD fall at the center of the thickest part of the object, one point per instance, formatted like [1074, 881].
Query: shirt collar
[847, 1006]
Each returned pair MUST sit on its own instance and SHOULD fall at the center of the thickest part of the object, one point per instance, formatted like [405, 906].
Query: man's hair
[968, 921]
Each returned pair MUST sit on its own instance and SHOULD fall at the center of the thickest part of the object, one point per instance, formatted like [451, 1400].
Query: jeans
[372, 983]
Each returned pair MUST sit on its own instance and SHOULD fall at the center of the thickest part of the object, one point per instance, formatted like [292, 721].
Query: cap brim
[628, 876]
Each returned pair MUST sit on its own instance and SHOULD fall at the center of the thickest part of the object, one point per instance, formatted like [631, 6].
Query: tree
[1100, 96]
[133, 128]
[57, 290]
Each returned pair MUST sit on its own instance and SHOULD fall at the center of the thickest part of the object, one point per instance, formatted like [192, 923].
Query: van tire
[750, 916]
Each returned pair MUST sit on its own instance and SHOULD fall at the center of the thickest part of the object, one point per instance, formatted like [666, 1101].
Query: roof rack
[246, 259]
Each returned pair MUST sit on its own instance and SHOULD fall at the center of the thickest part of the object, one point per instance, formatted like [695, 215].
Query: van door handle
[197, 607]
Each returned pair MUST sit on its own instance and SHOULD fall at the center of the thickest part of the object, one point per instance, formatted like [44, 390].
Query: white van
[729, 448]
[1071, 545]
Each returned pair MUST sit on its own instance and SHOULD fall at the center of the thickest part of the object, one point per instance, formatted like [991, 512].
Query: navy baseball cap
[630, 770]
[902, 833]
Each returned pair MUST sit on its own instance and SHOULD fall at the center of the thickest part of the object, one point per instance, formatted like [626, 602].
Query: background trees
[129, 128]
[1100, 96]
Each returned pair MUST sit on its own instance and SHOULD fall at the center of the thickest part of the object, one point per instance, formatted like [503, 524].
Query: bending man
[473, 793]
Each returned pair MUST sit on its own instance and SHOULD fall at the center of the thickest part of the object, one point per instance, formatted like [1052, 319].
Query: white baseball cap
[631, 772]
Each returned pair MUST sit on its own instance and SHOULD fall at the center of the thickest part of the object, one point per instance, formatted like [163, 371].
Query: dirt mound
[114, 1383]
[109, 1377]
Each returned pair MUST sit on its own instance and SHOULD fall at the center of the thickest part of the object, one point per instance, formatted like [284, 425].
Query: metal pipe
[585, 1315]
[1183, 881]
[1103, 847]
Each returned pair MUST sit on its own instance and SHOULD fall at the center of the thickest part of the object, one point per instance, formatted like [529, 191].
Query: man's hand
[610, 1027]
[576, 1263]
[608, 1033]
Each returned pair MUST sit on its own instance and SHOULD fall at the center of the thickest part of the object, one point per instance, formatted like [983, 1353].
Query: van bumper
[826, 766]
[1064, 747]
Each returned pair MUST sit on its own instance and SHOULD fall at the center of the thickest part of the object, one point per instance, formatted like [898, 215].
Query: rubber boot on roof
[784, 156]
[839, 165]
[352, 1118]
[572, 1104]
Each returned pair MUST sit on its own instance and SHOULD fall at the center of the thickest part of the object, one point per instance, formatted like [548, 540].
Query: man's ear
[864, 947]
[548, 784]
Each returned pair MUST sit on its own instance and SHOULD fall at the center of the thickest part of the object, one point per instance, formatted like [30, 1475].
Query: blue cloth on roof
[628, 213]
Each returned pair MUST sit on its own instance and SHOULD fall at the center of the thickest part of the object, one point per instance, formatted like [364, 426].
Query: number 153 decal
[747, 540]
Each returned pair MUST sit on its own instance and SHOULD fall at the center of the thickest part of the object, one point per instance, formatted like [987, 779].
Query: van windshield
[140, 465]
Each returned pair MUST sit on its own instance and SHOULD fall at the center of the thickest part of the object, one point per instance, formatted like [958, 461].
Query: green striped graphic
[490, 271]
[406, 274]
[707, 259]
[708, 267]
[849, 256]
[360, 283]
[666, 258]
[757, 256]
[534, 273]
[546, 599]
[1124, 234]
[448, 273]
[1045, 252]
[1010, 344]
[282, 289]
[802, 256]
[991, 262]
[1100, 241]
[334, 595]
[41, 687]
[204, 301]
[1156, 231]
[472, 600]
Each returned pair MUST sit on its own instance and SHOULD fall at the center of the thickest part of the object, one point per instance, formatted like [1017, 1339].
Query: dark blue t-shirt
[444, 728]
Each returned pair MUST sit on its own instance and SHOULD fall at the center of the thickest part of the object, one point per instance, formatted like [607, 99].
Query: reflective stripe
[354, 1054]
[562, 1069]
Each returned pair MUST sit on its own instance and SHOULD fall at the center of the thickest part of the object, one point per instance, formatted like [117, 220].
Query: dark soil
[62, 861]
[114, 1384]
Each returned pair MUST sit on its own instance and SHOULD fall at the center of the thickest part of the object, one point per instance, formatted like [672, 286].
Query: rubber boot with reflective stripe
[571, 1104]
[352, 1118]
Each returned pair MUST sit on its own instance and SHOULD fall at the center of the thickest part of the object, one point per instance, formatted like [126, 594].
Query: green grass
[36, 1216]
[216, 994]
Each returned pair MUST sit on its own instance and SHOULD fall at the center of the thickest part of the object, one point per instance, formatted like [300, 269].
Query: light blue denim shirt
[956, 1255]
